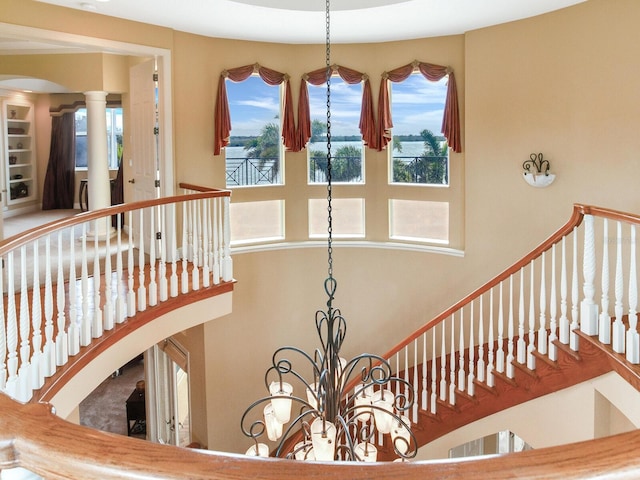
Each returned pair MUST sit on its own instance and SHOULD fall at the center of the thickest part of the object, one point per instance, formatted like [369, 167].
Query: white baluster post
[633, 339]
[604, 329]
[588, 308]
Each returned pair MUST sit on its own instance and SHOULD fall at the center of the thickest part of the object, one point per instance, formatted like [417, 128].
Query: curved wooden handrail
[32, 234]
[32, 437]
[200, 188]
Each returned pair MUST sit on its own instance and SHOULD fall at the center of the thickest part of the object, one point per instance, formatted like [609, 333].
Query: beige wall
[564, 84]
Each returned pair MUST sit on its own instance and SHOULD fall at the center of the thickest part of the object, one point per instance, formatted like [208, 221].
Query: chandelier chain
[329, 192]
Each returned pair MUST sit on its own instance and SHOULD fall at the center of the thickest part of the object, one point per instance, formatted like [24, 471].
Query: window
[419, 221]
[418, 155]
[114, 137]
[347, 218]
[346, 140]
[255, 150]
[260, 221]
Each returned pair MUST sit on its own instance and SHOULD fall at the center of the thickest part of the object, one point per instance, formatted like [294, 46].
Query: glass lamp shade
[262, 450]
[363, 406]
[366, 452]
[281, 406]
[304, 451]
[274, 427]
[323, 438]
[383, 399]
[400, 435]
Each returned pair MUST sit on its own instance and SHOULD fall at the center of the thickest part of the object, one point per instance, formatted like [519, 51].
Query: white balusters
[443, 367]
[97, 328]
[522, 344]
[12, 332]
[173, 283]
[452, 366]
[531, 359]
[434, 396]
[227, 261]
[424, 371]
[195, 223]
[142, 286]
[74, 329]
[462, 376]
[573, 337]
[206, 270]
[49, 363]
[108, 311]
[500, 348]
[162, 272]
[184, 279]
[471, 377]
[87, 314]
[564, 320]
[604, 328]
[490, 345]
[510, 357]
[66, 344]
[153, 284]
[588, 308]
[553, 323]
[216, 246]
[415, 383]
[481, 363]
[3, 337]
[542, 331]
[37, 358]
[24, 372]
[131, 293]
[633, 347]
[121, 312]
[618, 341]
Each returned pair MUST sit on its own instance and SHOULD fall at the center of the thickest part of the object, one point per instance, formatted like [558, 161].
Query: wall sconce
[536, 171]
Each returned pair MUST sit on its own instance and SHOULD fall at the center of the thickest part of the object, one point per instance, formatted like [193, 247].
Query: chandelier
[343, 408]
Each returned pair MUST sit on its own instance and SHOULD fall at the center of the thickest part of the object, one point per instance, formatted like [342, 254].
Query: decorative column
[98, 186]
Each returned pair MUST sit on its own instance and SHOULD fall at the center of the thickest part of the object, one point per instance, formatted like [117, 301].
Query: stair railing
[67, 283]
[579, 283]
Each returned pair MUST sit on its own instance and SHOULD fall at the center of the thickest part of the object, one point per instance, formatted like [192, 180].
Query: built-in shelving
[19, 154]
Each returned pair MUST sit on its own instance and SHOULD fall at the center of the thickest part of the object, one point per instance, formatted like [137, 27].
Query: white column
[98, 187]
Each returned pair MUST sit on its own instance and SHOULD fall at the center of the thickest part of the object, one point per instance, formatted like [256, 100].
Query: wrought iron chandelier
[344, 407]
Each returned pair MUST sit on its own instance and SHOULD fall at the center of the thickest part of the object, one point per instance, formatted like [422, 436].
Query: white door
[168, 420]
[144, 159]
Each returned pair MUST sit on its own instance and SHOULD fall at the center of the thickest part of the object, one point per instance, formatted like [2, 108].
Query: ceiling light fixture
[344, 405]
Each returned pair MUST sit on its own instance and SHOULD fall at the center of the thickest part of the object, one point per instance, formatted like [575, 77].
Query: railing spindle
[633, 353]
[37, 358]
[471, 377]
[85, 325]
[98, 327]
[510, 333]
[573, 337]
[553, 322]
[24, 372]
[49, 344]
[542, 331]
[604, 329]
[142, 287]
[588, 308]
[107, 312]
[618, 342]
[153, 284]
[66, 344]
[12, 331]
[564, 320]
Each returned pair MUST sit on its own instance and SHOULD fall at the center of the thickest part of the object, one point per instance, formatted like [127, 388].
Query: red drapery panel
[222, 118]
[352, 77]
[451, 117]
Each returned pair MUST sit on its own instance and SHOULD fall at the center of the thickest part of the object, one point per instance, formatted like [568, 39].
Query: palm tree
[266, 148]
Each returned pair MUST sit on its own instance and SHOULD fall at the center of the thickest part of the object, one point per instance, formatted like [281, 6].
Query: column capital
[96, 95]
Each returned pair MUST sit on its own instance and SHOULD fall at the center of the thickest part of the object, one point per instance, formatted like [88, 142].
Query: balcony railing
[242, 172]
[431, 170]
[66, 284]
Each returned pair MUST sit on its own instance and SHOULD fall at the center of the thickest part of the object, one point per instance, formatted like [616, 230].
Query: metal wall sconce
[536, 171]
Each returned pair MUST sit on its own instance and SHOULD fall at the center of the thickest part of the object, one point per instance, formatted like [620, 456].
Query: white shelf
[17, 116]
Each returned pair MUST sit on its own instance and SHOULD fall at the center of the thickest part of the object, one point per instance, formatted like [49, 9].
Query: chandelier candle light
[345, 405]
